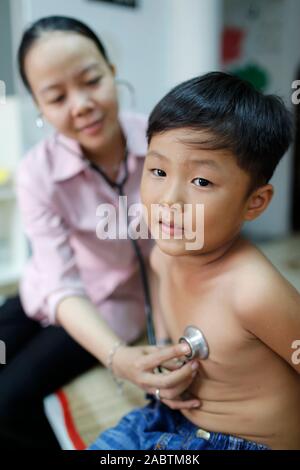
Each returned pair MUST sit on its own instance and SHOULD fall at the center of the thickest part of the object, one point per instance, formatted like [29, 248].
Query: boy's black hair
[52, 24]
[255, 128]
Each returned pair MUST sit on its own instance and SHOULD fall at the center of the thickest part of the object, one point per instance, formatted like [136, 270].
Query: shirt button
[203, 434]
[55, 221]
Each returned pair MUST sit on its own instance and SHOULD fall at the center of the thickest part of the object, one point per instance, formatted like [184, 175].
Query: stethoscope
[192, 335]
[119, 187]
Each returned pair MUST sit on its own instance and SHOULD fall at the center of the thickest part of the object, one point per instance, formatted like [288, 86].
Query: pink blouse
[58, 194]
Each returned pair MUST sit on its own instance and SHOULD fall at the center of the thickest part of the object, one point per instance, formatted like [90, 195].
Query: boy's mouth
[169, 228]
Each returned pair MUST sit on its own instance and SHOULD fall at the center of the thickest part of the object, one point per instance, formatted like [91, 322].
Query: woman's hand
[138, 364]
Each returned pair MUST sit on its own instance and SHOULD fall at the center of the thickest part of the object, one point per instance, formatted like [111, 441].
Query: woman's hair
[48, 24]
[257, 129]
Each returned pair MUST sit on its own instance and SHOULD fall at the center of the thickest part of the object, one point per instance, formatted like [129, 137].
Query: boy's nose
[167, 208]
[172, 197]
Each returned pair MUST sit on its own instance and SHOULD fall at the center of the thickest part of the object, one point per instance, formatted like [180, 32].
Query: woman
[81, 295]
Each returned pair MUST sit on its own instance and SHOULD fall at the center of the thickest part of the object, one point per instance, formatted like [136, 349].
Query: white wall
[193, 40]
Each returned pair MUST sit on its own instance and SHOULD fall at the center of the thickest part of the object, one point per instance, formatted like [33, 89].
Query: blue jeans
[157, 427]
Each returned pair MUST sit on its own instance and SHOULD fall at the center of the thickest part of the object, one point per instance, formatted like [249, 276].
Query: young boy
[216, 141]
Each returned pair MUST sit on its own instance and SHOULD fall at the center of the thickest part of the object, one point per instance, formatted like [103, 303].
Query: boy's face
[178, 173]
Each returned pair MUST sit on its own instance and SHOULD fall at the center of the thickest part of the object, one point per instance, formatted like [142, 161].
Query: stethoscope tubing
[119, 187]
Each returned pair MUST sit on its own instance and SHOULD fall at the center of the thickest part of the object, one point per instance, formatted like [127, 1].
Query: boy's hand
[138, 364]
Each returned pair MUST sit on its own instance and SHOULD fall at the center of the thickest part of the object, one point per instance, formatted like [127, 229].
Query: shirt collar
[70, 160]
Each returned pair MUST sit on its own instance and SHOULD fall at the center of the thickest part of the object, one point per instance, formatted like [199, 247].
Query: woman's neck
[109, 156]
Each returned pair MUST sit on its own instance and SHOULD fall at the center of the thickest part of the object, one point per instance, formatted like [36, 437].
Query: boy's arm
[272, 314]
[161, 332]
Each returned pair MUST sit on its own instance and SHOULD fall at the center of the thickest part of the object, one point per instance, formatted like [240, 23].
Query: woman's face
[74, 88]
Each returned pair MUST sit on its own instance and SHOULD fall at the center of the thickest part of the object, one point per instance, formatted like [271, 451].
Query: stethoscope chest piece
[194, 337]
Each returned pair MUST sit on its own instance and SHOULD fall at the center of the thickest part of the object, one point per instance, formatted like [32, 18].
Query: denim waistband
[217, 439]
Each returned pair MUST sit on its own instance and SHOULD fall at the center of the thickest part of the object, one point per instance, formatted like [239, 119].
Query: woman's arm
[80, 318]
[134, 363]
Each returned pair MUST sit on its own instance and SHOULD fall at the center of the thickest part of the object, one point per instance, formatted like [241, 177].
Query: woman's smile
[93, 127]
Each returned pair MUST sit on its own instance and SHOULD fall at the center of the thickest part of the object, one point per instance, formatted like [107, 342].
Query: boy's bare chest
[182, 304]
[208, 307]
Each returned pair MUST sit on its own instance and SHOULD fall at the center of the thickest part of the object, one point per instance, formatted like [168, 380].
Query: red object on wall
[232, 42]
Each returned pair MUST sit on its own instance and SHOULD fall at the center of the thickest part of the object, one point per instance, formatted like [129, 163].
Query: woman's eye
[59, 99]
[94, 81]
[201, 182]
[158, 172]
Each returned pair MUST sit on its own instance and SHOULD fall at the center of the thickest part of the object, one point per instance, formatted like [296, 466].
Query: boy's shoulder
[256, 279]
[267, 305]
[257, 286]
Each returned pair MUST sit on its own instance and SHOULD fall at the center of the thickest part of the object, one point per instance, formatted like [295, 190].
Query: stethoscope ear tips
[194, 337]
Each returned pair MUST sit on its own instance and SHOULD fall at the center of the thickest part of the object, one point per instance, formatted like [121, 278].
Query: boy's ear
[258, 201]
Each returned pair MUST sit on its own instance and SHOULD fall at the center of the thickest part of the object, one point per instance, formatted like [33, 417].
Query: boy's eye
[201, 182]
[158, 172]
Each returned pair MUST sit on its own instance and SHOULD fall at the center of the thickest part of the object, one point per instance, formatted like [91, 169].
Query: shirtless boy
[216, 141]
